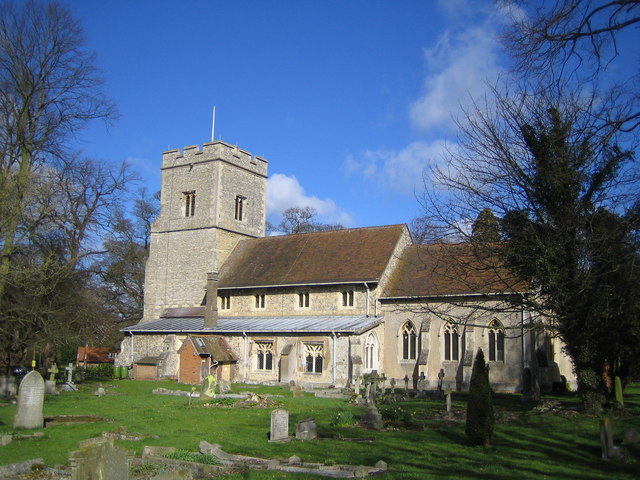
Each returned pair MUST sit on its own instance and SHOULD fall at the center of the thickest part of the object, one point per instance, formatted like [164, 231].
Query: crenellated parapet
[211, 152]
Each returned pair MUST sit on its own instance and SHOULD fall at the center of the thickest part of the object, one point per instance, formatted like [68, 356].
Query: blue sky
[348, 100]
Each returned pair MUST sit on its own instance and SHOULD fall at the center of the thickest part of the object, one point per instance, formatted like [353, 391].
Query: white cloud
[462, 63]
[285, 191]
[400, 171]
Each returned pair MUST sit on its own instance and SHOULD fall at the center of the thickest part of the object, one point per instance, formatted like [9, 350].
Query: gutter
[282, 285]
[455, 295]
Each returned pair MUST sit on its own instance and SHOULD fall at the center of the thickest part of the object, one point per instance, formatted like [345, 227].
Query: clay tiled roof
[339, 256]
[216, 347]
[449, 269]
[95, 354]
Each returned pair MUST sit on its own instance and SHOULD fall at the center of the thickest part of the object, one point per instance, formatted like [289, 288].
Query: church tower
[210, 199]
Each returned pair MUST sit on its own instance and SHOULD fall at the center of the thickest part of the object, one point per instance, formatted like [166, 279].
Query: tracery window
[265, 355]
[314, 354]
[371, 353]
[496, 342]
[409, 341]
[451, 342]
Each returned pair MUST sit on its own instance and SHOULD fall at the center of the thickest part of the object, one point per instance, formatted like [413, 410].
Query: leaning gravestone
[208, 387]
[279, 426]
[30, 402]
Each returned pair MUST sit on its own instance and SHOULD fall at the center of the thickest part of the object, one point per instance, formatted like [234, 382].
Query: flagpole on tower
[213, 123]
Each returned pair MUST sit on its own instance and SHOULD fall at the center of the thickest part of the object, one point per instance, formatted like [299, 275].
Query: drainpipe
[366, 308]
[132, 349]
[246, 350]
[333, 358]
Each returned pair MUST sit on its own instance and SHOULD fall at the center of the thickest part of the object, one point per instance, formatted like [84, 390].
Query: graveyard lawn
[418, 443]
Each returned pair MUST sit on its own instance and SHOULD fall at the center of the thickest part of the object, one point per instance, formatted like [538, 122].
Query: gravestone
[69, 386]
[50, 387]
[208, 387]
[606, 439]
[392, 384]
[367, 392]
[356, 385]
[30, 402]
[406, 384]
[448, 394]
[440, 379]
[279, 426]
[52, 372]
[422, 384]
[372, 418]
[224, 386]
[7, 385]
[99, 458]
[307, 429]
[383, 383]
[297, 391]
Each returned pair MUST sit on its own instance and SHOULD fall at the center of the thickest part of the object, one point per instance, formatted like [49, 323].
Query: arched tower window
[409, 341]
[496, 341]
[451, 342]
[371, 353]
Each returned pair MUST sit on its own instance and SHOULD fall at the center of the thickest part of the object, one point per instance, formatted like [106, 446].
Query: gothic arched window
[496, 342]
[451, 342]
[409, 341]
[371, 353]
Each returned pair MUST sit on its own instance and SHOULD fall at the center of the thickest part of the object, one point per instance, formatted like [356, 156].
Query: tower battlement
[214, 151]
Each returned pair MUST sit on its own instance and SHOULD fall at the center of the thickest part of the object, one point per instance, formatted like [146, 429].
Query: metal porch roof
[354, 324]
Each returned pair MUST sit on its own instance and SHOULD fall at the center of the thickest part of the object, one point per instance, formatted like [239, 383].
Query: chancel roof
[339, 256]
[353, 324]
[450, 269]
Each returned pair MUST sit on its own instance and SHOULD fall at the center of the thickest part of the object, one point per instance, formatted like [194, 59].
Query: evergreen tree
[480, 418]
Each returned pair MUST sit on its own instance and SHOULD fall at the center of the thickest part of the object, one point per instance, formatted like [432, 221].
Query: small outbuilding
[205, 355]
[146, 369]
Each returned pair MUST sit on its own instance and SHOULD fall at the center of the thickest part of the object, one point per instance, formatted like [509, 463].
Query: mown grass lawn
[527, 444]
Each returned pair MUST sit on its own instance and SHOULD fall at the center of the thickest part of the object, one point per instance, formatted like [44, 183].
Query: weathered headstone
[406, 384]
[279, 426]
[50, 387]
[7, 385]
[297, 391]
[100, 391]
[224, 386]
[606, 438]
[372, 418]
[422, 384]
[30, 402]
[99, 458]
[392, 384]
[383, 383]
[448, 394]
[208, 387]
[307, 429]
[367, 392]
[356, 385]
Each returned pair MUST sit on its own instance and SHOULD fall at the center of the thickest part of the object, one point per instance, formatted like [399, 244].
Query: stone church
[318, 309]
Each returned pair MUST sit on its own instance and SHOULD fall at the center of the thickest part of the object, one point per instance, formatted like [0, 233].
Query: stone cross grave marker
[279, 426]
[367, 392]
[53, 370]
[392, 384]
[383, 384]
[69, 368]
[30, 402]
[406, 384]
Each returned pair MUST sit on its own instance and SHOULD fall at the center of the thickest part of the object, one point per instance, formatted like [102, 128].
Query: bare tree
[49, 90]
[578, 40]
[301, 220]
